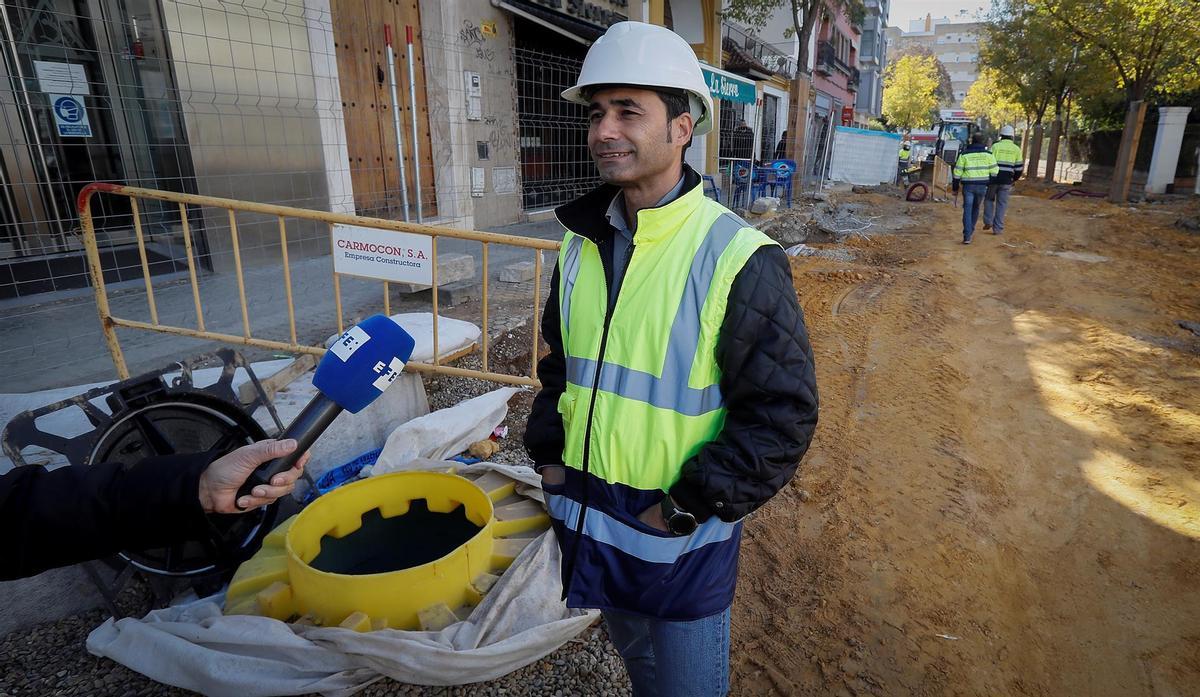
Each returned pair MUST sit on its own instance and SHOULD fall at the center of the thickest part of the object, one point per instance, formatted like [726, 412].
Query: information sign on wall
[70, 116]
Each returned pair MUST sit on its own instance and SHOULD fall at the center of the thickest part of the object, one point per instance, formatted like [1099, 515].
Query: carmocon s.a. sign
[384, 254]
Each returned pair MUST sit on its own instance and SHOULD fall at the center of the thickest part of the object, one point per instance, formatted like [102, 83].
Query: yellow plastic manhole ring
[279, 582]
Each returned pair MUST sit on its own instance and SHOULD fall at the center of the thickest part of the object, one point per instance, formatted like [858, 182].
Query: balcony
[853, 80]
[827, 61]
[750, 56]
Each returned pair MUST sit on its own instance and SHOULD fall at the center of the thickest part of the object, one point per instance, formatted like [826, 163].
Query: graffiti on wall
[473, 37]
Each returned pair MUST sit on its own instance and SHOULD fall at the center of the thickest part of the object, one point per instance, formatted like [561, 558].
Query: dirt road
[1003, 497]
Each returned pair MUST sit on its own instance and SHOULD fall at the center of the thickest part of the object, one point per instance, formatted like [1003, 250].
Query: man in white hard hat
[679, 393]
[1008, 159]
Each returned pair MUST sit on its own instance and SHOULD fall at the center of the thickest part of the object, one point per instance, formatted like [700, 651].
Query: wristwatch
[679, 521]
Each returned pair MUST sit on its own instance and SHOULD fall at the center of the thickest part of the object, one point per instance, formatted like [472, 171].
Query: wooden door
[358, 32]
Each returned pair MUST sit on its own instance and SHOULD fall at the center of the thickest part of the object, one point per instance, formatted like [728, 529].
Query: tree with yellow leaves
[910, 92]
[993, 97]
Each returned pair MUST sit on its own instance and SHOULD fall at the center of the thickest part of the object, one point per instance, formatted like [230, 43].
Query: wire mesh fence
[331, 106]
[266, 101]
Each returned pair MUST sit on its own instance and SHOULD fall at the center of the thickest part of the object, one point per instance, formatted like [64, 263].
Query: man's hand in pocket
[553, 475]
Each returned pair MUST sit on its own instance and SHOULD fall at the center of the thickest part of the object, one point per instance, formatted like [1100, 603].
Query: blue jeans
[995, 205]
[667, 658]
[973, 195]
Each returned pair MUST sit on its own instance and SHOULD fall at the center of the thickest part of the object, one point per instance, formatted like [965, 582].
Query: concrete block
[518, 273]
[452, 268]
[764, 204]
[454, 293]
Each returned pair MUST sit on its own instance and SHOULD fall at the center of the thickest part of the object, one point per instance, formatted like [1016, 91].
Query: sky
[902, 11]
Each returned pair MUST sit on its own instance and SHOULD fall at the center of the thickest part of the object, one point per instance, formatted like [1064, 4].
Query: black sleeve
[770, 390]
[544, 436]
[72, 514]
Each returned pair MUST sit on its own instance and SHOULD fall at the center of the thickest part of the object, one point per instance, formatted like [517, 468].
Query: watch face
[682, 523]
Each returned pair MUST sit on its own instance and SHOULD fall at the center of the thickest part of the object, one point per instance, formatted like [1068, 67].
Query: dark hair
[676, 102]
[978, 139]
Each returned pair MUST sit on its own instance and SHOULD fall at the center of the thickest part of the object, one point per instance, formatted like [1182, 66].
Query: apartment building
[955, 42]
[872, 59]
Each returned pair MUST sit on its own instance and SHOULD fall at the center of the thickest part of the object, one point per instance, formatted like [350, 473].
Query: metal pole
[412, 99]
[391, 58]
[759, 104]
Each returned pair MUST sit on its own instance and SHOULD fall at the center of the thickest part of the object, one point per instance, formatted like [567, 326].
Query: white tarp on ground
[520, 620]
[864, 157]
[197, 648]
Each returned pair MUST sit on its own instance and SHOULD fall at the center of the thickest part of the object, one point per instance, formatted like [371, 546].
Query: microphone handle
[306, 428]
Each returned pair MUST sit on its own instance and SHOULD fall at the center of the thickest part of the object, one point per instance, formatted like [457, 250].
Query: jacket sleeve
[72, 514]
[770, 388]
[544, 435]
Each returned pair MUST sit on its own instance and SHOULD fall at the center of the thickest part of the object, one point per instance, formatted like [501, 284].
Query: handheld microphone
[357, 368]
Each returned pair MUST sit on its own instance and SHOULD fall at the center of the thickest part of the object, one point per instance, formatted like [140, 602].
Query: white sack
[446, 432]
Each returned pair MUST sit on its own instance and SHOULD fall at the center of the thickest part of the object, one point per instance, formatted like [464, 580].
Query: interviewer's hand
[219, 483]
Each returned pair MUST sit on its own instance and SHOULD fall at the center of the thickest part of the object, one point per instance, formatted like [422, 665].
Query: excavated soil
[1003, 496]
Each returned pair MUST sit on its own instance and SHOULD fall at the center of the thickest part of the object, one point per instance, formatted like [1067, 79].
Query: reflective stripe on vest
[602, 527]
[569, 272]
[671, 390]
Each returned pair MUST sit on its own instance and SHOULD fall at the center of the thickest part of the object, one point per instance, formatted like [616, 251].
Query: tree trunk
[798, 123]
[1035, 152]
[1052, 152]
[1118, 191]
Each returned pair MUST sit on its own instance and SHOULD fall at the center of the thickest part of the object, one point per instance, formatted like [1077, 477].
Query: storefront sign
[383, 254]
[729, 88]
[600, 13]
[61, 78]
[70, 115]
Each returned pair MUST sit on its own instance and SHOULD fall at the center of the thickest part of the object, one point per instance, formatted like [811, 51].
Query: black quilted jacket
[768, 380]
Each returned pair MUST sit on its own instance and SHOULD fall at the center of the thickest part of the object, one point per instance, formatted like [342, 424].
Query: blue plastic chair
[741, 182]
[712, 186]
[781, 172]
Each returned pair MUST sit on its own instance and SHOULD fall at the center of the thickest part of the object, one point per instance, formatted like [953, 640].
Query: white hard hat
[1007, 131]
[646, 55]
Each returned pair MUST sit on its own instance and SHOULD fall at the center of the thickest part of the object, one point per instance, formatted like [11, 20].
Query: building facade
[954, 42]
[315, 104]
[872, 59]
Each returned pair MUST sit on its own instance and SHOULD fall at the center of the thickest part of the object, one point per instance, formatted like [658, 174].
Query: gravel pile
[586, 666]
[51, 659]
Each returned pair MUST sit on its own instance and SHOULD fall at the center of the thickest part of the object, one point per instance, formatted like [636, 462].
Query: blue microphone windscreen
[363, 362]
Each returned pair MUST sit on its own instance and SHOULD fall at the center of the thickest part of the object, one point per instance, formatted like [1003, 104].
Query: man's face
[629, 136]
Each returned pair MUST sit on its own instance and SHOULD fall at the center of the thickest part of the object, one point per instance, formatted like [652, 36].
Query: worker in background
[73, 514]
[905, 157]
[1011, 166]
[678, 394]
[973, 169]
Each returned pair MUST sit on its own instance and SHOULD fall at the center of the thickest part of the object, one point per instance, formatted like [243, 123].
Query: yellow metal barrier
[109, 323]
